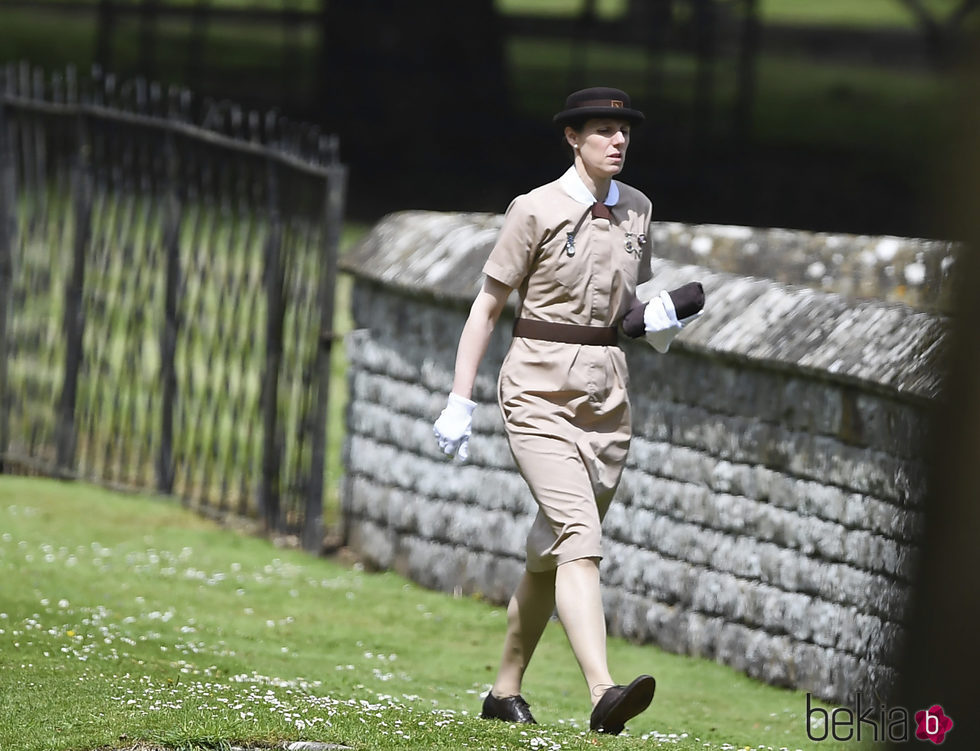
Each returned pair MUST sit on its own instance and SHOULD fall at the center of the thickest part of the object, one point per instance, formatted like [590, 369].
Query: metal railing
[166, 295]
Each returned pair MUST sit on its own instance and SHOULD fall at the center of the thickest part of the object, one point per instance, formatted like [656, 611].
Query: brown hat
[599, 101]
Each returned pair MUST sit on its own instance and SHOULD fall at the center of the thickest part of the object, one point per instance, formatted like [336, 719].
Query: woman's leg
[579, 602]
[530, 608]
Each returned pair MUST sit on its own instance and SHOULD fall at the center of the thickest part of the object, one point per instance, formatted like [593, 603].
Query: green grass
[126, 619]
[337, 404]
[893, 116]
[825, 12]
[873, 113]
[237, 57]
[846, 13]
[607, 9]
[866, 13]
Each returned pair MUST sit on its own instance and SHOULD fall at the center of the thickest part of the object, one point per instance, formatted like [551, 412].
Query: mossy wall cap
[599, 101]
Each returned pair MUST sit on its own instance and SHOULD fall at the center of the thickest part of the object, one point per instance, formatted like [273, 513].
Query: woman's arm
[476, 334]
[452, 429]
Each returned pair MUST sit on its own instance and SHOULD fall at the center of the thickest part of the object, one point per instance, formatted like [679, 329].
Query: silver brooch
[640, 240]
[570, 244]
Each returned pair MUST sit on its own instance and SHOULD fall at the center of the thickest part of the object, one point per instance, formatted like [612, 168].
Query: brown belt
[567, 333]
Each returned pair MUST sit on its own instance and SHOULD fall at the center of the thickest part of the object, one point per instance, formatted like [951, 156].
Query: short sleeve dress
[565, 406]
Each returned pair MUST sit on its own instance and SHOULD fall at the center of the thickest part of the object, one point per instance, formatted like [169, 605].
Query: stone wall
[911, 271]
[768, 514]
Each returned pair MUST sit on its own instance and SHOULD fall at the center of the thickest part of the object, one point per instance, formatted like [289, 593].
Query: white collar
[573, 185]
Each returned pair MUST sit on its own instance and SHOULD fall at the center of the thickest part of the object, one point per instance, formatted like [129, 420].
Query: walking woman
[575, 249]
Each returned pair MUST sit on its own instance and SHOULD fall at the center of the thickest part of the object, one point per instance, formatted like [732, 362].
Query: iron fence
[166, 294]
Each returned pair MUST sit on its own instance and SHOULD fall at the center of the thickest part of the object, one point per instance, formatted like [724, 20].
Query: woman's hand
[663, 317]
[452, 429]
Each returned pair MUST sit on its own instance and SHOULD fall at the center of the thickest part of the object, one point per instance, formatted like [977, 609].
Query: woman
[575, 250]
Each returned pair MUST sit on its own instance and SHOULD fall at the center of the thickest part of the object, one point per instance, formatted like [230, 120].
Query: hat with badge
[598, 101]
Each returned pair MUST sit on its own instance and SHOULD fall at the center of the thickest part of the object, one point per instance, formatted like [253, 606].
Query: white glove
[660, 320]
[453, 427]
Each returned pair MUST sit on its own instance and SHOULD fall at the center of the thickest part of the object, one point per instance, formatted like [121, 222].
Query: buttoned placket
[602, 234]
[601, 231]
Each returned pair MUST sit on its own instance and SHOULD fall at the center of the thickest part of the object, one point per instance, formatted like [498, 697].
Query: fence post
[74, 321]
[7, 203]
[274, 280]
[333, 217]
[171, 323]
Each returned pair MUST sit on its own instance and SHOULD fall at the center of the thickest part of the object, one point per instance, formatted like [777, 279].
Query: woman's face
[602, 145]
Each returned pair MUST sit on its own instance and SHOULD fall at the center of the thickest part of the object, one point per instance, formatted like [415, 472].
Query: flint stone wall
[770, 507]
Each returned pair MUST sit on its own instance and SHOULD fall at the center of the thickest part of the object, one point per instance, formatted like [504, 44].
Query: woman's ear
[571, 136]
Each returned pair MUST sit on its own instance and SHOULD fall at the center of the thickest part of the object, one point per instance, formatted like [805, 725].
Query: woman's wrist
[461, 401]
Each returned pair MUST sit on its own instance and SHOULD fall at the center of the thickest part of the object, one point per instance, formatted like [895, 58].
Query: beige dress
[565, 406]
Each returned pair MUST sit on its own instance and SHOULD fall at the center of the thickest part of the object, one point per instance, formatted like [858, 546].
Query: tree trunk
[942, 652]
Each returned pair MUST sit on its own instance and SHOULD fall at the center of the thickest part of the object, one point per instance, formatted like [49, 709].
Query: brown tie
[601, 211]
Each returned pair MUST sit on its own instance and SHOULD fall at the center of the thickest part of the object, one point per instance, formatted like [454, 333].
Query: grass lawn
[337, 404]
[888, 116]
[866, 13]
[798, 104]
[127, 619]
[838, 12]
